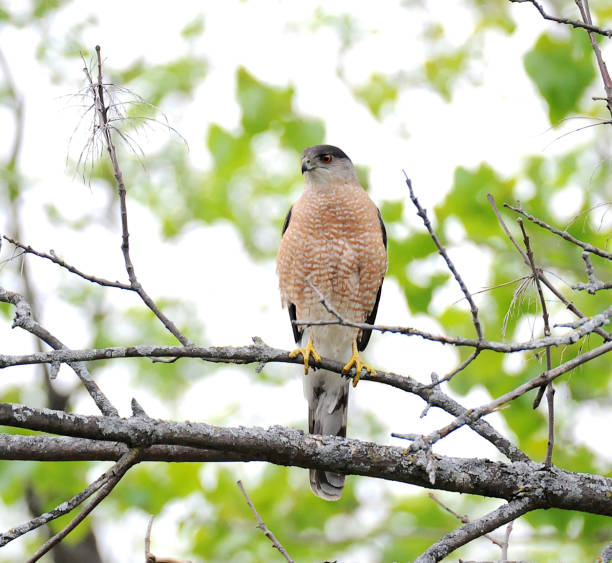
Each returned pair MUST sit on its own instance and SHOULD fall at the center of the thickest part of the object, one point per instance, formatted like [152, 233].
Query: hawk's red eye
[326, 158]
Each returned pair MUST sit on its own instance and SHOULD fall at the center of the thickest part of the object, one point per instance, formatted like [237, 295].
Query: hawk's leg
[306, 352]
[359, 364]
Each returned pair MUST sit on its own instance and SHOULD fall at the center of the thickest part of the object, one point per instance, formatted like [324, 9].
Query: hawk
[334, 240]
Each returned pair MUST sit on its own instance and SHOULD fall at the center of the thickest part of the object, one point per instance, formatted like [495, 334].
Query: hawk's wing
[297, 331]
[364, 335]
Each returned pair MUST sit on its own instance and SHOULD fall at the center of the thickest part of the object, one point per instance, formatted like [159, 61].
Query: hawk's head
[323, 165]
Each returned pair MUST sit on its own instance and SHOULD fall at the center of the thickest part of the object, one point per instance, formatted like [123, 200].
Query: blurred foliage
[238, 189]
[561, 69]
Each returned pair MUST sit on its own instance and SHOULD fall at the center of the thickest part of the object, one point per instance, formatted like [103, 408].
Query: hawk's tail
[327, 412]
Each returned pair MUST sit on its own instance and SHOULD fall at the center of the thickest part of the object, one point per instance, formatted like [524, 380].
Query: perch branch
[285, 446]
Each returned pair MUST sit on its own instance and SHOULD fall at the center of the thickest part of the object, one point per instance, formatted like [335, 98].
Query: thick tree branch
[552, 487]
[62, 448]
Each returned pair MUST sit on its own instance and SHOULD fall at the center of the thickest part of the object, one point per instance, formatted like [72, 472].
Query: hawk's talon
[358, 364]
[307, 351]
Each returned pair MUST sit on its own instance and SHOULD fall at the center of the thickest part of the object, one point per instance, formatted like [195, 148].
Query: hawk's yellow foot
[306, 352]
[359, 364]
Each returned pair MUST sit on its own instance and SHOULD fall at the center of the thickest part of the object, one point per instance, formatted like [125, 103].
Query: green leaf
[561, 69]
[468, 200]
[443, 70]
[300, 133]
[377, 93]
[193, 28]
[261, 105]
[391, 211]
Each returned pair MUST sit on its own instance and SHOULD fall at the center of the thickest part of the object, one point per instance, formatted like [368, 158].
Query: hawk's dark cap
[318, 150]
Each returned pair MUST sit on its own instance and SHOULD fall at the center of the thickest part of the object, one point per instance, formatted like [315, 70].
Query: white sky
[498, 119]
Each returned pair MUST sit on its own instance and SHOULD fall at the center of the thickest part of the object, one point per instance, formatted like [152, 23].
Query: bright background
[467, 97]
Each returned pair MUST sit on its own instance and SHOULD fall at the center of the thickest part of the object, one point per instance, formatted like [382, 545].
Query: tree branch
[566, 21]
[472, 530]
[127, 459]
[552, 487]
[114, 476]
[563, 234]
[104, 125]
[262, 525]
[24, 319]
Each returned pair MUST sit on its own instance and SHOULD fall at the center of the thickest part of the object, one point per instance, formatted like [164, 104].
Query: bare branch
[463, 518]
[60, 448]
[97, 90]
[585, 12]
[422, 213]
[285, 446]
[566, 21]
[563, 234]
[69, 505]
[262, 525]
[594, 284]
[261, 353]
[57, 260]
[25, 320]
[568, 304]
[542, 379]
[115, 475]
[149, 557]
[472, 530]
[549, 386]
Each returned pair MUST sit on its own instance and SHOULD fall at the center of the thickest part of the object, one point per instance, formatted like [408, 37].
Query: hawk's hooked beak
[307, 165]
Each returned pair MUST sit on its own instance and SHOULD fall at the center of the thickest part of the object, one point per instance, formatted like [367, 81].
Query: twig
[563, 234]
[594, 284]
[543, 379]
[459, 368]
[24, 319]
[57, 260]
[422, 213]
[249, 354]
[149, 557]
[585, 12]
[463, 518]
[573, 23]
[568, 304]
[262, 526]
[66, 506]
[506, 542]
[476, 529]
[97, 90]
[550, 393]
[115, 475]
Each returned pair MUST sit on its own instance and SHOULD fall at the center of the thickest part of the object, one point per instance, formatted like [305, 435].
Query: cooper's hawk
[335, 238]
